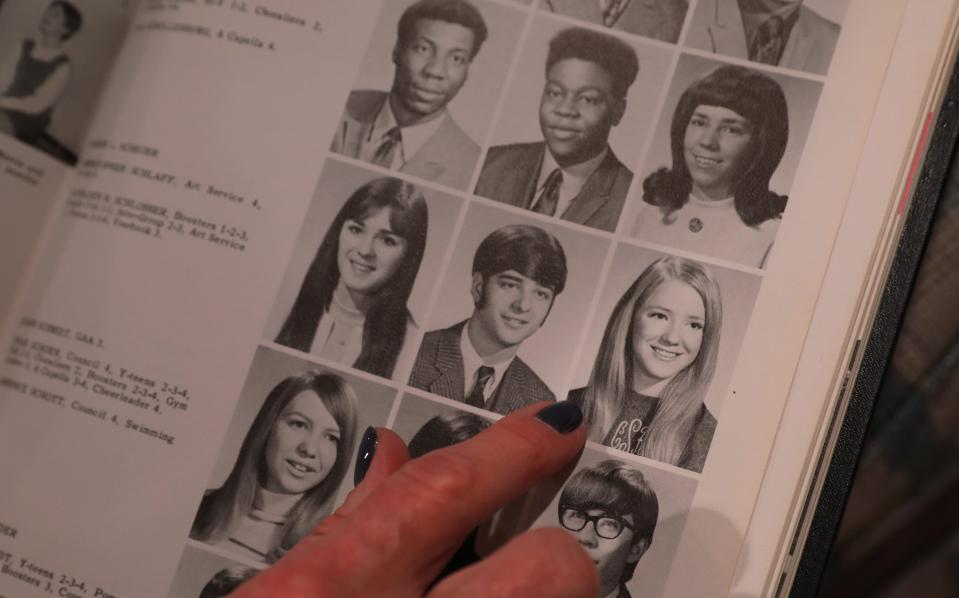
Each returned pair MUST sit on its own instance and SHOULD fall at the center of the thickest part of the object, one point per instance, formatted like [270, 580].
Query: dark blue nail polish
[564, 417]
[364, 456]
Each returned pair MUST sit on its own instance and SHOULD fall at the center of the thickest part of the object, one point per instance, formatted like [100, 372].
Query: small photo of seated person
[657, 19]
[728, 135]
[656, 360]
[612, 511]
[793, 34]
[291, 463]
[572, 174]
[432, 49]
[518, 271]
[40, 73]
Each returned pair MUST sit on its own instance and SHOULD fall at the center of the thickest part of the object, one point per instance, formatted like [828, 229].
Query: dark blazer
[718, 27]
[659, 19]
[511, 172]
[439, 369]
[449, 156]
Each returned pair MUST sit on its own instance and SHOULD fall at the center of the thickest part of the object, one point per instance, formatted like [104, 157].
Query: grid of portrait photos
[526, 202]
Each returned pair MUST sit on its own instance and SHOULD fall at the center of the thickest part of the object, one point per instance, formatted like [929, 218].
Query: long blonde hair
[681, 400]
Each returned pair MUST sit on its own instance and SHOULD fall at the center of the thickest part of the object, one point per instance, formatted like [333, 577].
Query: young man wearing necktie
[518, 271]
[658, 19]
[572, 174]
[409, 128]
[777, 32]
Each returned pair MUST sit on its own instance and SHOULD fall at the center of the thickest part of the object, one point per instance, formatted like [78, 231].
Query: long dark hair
[384, 328]
[222, 508]
[446, 430]
[760, 100]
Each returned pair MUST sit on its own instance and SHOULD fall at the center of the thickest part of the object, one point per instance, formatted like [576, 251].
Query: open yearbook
[235, 233]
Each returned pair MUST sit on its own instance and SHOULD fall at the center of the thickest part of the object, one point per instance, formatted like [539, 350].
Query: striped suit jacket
[439, 370]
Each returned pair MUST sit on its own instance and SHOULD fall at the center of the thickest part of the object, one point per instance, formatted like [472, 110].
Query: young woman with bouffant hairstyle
[727, 137]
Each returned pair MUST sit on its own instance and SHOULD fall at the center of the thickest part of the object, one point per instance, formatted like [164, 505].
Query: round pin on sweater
[695, 225]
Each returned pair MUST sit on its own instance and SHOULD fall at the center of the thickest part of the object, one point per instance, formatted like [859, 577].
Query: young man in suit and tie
[778, 32]
[658, 19]
[518, 271]
[612, 512]
[572, 174]
[409, 128]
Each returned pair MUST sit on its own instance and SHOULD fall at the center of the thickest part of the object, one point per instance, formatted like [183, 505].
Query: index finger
[436, 500]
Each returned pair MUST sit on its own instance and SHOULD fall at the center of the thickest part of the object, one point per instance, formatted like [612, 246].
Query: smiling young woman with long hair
[728, 135]
[290, 464]
[658, 353]
[351, 307]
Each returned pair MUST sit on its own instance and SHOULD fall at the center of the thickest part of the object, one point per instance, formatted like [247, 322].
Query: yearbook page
[292, 216]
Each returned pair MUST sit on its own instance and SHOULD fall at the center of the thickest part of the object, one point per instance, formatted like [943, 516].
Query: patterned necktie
[767, 46]
[476, 397]
[386, 152]
[550, 195]
[612, 10]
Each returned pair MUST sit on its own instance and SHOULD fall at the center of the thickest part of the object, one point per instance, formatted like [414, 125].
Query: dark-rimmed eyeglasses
[608, 527]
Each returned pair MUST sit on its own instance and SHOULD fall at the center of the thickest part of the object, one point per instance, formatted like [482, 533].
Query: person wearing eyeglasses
[611, 510]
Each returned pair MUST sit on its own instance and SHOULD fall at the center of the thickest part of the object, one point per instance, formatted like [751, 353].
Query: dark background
[899, 534]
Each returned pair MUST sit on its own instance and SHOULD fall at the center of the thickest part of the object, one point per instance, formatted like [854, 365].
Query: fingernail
[364, 456]
[564, 417]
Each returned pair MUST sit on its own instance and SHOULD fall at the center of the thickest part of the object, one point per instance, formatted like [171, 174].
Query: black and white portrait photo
[659, 354]
[54, 56]
[793, 34]
[577, 112]
[290, 445]
[205, 574]
[427, 425]
[627, 517]
[723, 159]
[421, 103]
[365, 261]
[656, 19]
[509, 311]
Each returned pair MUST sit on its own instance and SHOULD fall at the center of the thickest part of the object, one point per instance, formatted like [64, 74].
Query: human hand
[403, 522]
